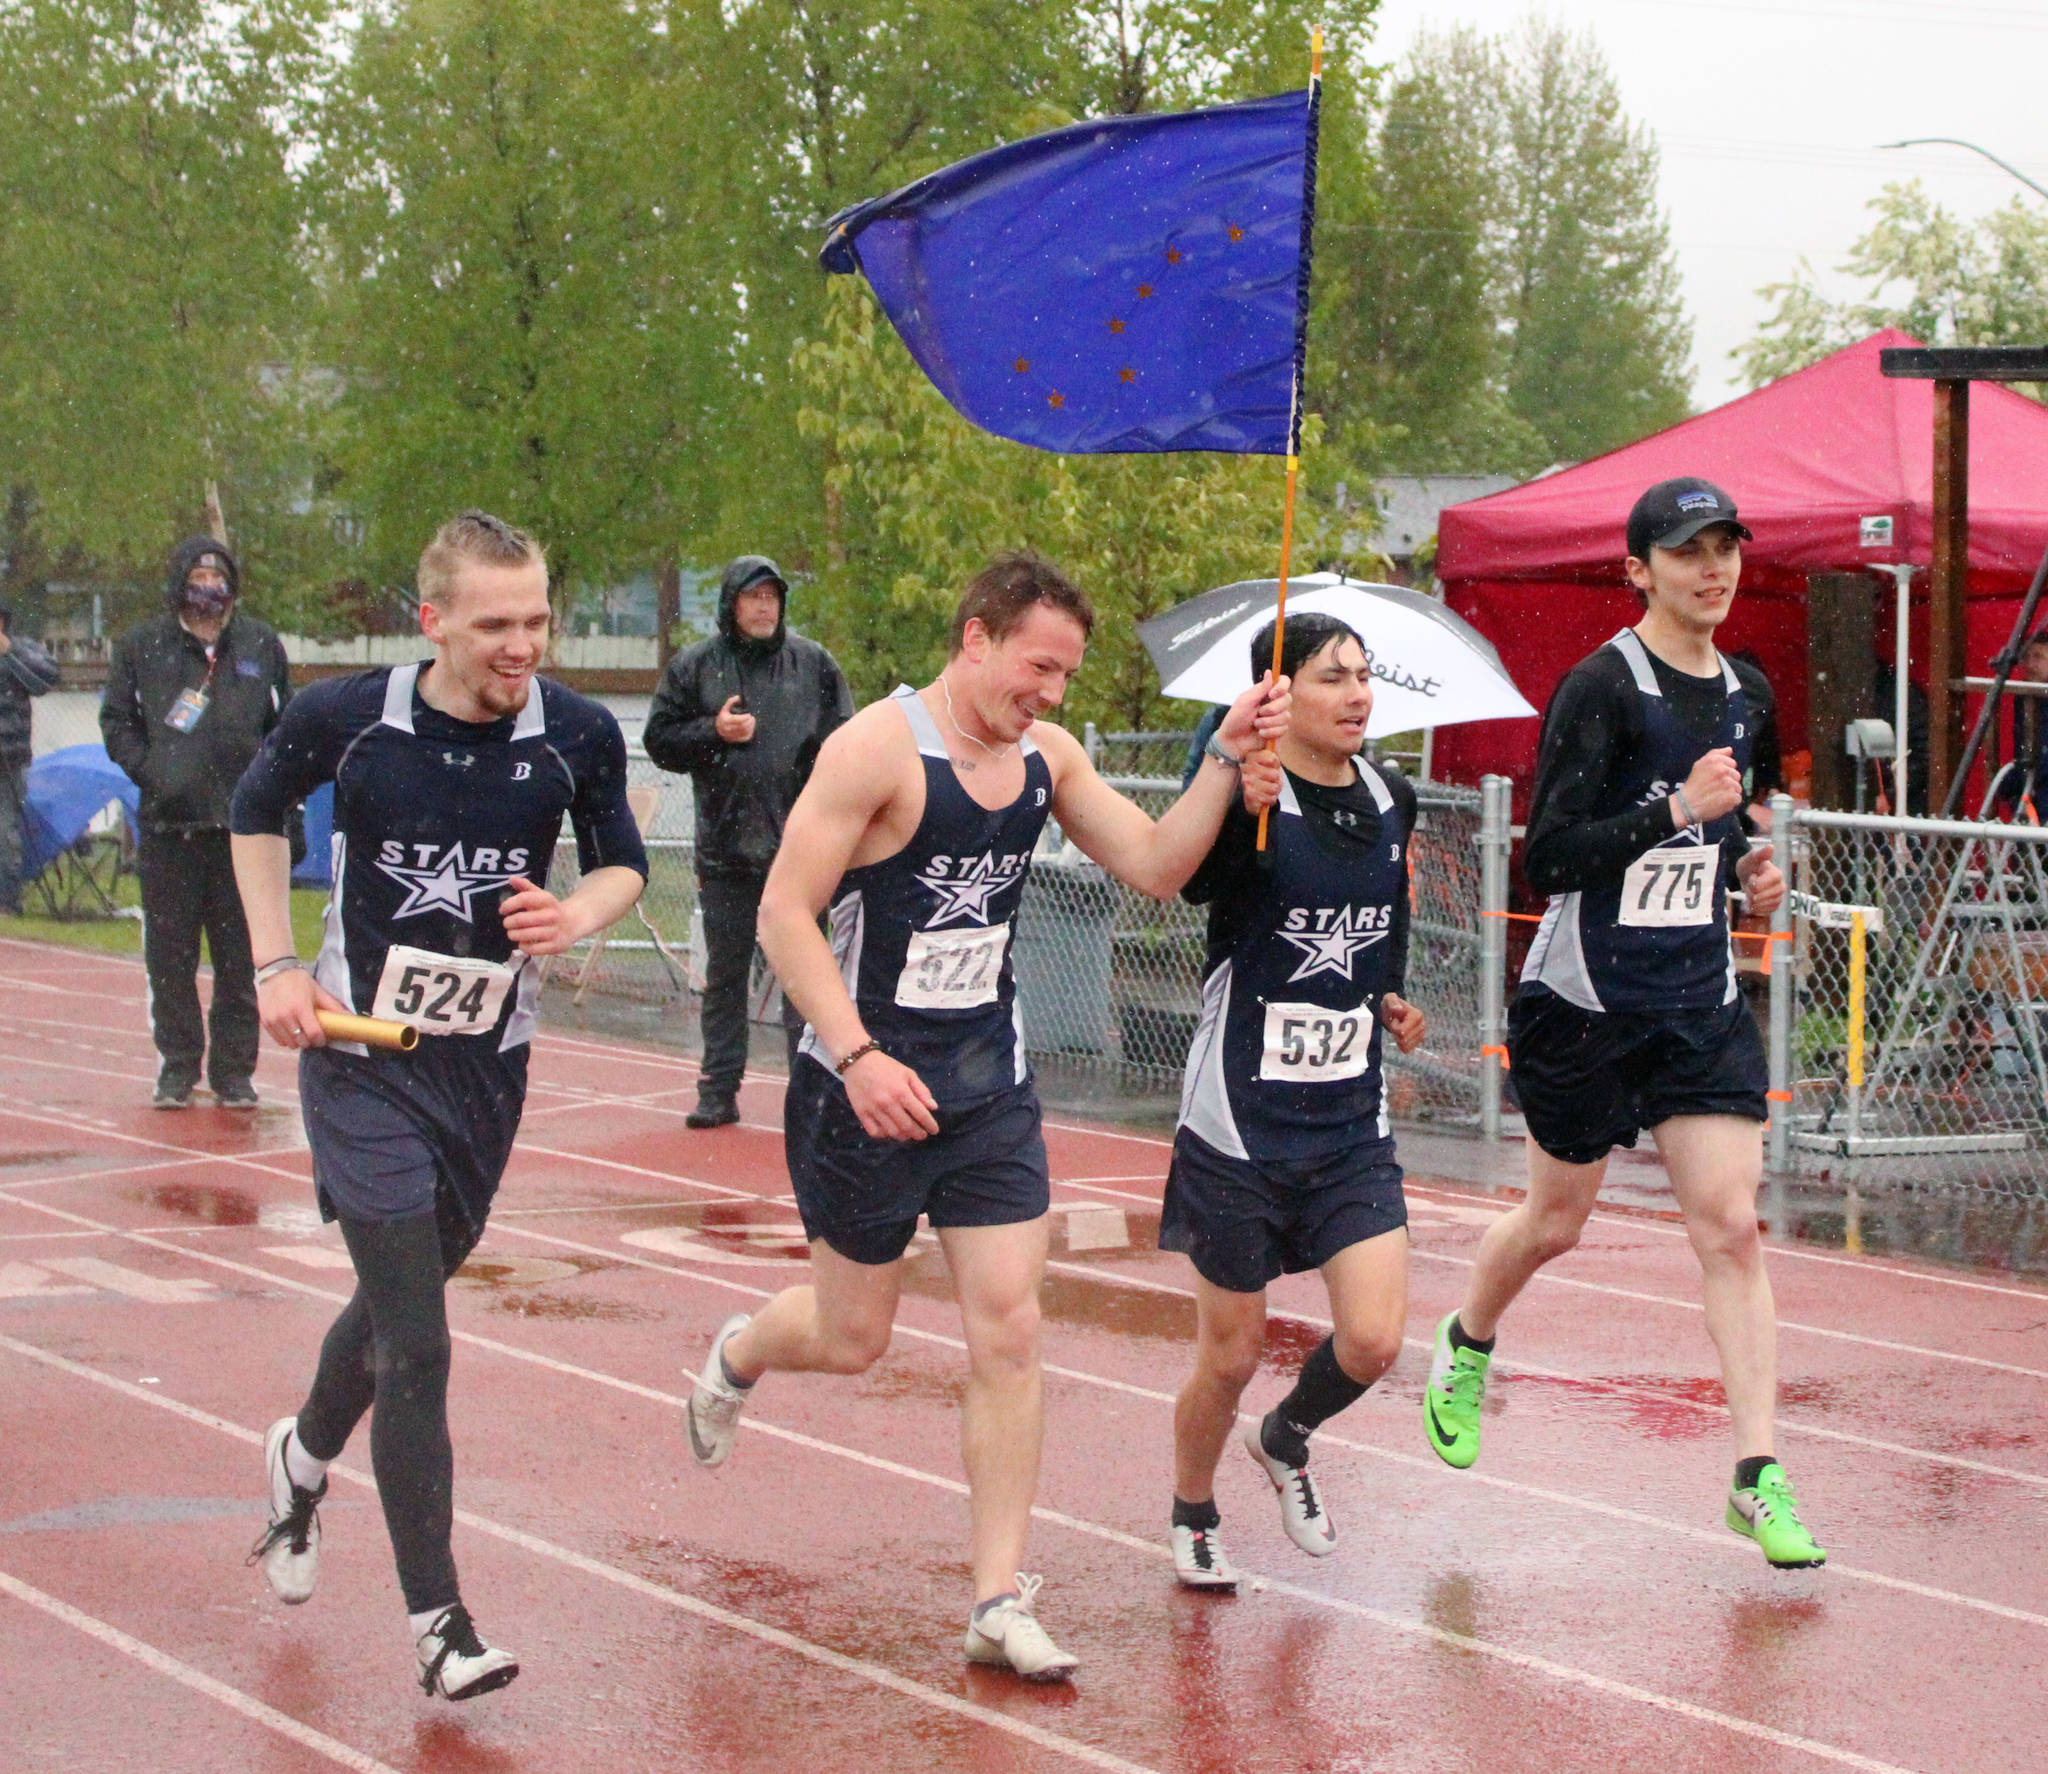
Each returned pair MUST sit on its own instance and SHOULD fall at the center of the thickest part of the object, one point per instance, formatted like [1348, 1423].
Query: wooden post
[668, 611]
[1946, 580]
[1841, 671]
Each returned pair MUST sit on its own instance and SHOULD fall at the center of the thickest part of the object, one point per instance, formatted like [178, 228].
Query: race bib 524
[441, 994]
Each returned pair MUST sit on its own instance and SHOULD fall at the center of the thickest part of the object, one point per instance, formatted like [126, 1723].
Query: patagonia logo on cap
[1698, 502]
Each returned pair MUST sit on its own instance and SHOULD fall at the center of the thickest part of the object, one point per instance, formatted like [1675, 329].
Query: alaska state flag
[1135, 284]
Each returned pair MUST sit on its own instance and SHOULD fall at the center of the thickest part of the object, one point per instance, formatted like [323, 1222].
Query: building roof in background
[1409, 504]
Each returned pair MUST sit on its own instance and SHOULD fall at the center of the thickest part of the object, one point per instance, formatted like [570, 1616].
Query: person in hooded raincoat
[191, 693]
[742, 715]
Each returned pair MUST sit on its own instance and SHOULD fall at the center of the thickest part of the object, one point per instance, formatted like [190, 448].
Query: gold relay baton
[371, 1031]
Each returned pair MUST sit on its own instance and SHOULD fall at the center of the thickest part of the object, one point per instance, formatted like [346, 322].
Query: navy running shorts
[1590, 1080]
[986, 1166]
[396, 1134]
[1243, 1221]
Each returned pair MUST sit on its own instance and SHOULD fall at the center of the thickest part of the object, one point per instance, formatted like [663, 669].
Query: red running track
[1571, 1604]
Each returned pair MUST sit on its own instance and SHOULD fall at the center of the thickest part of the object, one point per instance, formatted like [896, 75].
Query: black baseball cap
[1675, 511]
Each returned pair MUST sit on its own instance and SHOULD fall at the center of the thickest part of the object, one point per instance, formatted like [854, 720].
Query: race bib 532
[1312, 1044]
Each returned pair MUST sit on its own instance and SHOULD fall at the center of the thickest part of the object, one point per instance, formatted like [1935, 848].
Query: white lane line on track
[1622, 1293]
[671, 1598]
[196, 1679]
[1103, 1382]
[1574, 1504]
[1792, 1424]
[570, 1044]
[1565, 1673]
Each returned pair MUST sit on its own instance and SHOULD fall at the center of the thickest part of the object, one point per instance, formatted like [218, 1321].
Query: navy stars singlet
[923, 937]
[1655, 939]
[1285, 1064]
[432, 819]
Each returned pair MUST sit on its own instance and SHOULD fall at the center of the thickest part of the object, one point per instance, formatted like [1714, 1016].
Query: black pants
[188, 886]
[390, 1347]
[13, 833]
[729, 905]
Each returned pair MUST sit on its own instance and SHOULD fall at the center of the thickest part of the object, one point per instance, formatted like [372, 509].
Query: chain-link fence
[1109, 980]
[1910, 1030]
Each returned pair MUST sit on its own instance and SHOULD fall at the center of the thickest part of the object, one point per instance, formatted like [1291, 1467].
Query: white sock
[305, 1471]
[422, 1624]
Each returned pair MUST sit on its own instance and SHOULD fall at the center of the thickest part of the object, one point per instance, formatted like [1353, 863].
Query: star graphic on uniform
[1127, 375]
[446, 887]
[1055, 399]
[1236, 233]
[1174, 255]
[1332, 950]
[1021, 365]
[1144, 290]
[1115, 325]
[967, 895]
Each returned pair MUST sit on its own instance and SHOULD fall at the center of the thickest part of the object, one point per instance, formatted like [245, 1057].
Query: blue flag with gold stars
[1135, 284]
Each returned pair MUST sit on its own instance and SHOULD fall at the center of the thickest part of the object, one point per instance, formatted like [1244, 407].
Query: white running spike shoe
[1199, 1560]
[1009, 1634]
[289, 1548]
[1301, 1506]
[456, 1664]
[713, 1413]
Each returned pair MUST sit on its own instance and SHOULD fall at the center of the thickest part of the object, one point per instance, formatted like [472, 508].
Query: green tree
[1506, 294]
[1962, 284]
[507, 208]
[929, 499]
[149, 273]
[1598, 342]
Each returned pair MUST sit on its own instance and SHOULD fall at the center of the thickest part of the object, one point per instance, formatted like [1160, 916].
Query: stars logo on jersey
[964, 885]
[1331, 939]
[445, 881]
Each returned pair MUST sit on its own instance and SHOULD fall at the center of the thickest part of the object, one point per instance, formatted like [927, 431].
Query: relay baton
[371, 1031]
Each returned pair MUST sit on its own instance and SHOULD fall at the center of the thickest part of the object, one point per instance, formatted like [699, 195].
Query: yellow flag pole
[1315, 88]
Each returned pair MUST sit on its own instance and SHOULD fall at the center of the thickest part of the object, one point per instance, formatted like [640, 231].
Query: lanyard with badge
[191, 703]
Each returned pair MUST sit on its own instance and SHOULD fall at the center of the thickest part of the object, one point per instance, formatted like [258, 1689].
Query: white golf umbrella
[1430, 668]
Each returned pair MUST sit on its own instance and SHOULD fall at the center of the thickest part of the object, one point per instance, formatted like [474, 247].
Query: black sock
[1196, 1515]
[1459, 1340]
[1321, 1390]
[1747, 1472]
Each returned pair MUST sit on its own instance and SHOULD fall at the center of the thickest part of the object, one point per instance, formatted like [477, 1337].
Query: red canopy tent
[1538, 568]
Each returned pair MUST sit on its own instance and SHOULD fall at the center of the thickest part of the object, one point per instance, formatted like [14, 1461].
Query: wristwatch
[1215, 750]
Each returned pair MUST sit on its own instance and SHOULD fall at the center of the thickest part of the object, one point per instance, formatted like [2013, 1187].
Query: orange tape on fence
[1777, 1096]
[1502, 1051]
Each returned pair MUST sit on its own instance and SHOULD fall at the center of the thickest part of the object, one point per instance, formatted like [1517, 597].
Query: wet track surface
[1573, 1603]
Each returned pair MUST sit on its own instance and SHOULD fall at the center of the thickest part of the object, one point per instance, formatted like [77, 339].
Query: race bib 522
[441, 994]
[953, 969]
[1311, 1044]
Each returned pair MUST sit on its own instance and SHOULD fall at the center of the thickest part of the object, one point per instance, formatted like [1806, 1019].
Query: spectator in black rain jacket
[26, 670]
[190, 696]
[743, 715]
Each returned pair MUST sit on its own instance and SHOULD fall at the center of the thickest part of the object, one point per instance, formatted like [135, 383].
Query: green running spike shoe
[1769, 1515]
[1451, 1400]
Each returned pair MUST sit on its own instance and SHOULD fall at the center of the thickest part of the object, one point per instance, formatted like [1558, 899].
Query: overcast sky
[1768, 114]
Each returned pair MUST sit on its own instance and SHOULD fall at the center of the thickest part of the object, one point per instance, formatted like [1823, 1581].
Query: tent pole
[1902, 647]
